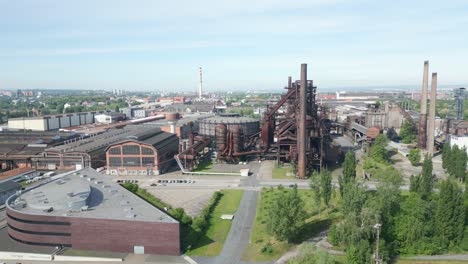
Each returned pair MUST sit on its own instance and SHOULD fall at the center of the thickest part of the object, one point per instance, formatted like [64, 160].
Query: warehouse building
[149, 154]
[90, 151]
[86, 210]
[51, 122]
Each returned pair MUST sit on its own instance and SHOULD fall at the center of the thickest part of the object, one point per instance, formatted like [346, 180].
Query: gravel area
[192, 200]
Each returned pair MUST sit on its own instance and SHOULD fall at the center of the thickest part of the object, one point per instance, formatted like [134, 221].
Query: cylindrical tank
[248, 126]
[172, 116]
[237, 137]
[220, 138]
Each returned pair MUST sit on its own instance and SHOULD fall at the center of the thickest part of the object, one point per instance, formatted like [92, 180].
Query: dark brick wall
[100, 234]
[121, 236]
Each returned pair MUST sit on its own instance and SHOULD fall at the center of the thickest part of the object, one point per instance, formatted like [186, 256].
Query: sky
[241, 44]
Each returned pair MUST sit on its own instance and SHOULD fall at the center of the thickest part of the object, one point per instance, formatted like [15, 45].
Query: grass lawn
[204, 166]
[213, 241]
[259, 237]
[281, 172]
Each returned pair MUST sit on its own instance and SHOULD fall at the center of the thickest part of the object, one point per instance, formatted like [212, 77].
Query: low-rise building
[86, 210]
[109, 118]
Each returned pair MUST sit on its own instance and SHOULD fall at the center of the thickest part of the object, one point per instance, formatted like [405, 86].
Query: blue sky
[241, 44]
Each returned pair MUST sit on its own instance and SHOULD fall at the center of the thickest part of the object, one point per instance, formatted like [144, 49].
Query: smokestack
[423, 116]
[289, 82]
[431, 121]
[302, 137]
[200, 87]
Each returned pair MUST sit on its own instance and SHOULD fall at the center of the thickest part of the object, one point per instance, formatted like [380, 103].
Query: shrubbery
[191, 230]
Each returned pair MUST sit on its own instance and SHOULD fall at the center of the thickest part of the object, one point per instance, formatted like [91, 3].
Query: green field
[281, 172]
[213, 241]
[315, 223]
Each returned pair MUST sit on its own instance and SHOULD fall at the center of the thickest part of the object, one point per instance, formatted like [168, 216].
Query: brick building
[88, 211]
[151, 155]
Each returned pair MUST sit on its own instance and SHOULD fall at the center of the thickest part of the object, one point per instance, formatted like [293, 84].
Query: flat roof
[86, 193]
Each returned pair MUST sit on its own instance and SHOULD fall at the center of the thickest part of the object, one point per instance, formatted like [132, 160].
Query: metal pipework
[423, 116]
[431, 121]
[302, 137]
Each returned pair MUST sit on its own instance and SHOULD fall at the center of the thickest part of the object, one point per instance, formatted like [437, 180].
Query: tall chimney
[431, 121]
[289, 82]
[423, 116]
[200, 87]
[302, 137]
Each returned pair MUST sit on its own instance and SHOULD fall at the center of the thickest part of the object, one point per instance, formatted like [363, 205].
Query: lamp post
[377, 257]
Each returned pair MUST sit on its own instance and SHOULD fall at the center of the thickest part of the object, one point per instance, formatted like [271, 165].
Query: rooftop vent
[90, 179]
[83, 176]
[84, 208]
[130, 215]
[98, 182]
[48, 210]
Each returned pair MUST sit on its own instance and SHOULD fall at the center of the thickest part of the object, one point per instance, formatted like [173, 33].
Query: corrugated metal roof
[9, 186]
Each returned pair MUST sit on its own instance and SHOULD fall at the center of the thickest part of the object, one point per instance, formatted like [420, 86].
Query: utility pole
[377, 257]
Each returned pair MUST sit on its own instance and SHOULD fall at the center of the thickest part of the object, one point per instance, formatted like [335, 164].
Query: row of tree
[424, 222]
[454, 161]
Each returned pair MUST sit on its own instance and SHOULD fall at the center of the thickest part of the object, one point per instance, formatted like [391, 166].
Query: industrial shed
[151, 155]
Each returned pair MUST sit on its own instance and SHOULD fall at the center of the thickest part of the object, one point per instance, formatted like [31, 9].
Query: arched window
[147, 151]
[131, 150]
[115, 150]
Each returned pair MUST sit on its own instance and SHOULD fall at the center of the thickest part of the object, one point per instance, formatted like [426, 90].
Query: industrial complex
[171, 140]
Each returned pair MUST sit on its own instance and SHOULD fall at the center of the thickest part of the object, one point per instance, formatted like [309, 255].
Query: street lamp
[377, 258]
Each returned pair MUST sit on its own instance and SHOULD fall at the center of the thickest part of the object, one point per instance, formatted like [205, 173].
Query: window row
[131, 161]
[131, 150]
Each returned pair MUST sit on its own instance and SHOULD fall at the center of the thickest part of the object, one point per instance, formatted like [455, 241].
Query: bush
[414, 156]
[267, 248]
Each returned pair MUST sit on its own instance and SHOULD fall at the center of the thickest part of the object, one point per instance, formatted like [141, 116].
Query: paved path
[239, 235]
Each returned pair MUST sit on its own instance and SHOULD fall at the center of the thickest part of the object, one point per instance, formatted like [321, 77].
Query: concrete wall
[461, 142]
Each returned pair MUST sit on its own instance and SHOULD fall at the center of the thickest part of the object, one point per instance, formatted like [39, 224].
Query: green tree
[378, 153]
[446, 158]
[414, 156]
[354, 197]
[408, 132]
[427, 180]
[449, 215]
[315, 186]
[349, 170]
[286, 216]
[360, 253]
[415, 226]
[326, 185]
[349, 167]
[460, 159]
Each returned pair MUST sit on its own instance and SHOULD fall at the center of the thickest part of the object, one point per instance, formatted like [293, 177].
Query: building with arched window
[151, 155]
